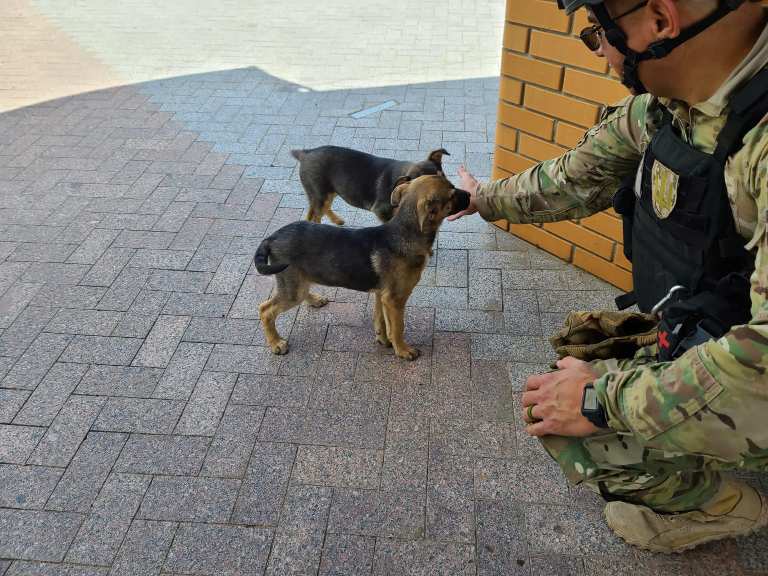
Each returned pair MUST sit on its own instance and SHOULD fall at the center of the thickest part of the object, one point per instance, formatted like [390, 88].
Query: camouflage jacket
[582, 182]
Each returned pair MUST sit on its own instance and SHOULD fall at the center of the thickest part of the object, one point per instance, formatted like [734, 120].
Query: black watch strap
[591, 408]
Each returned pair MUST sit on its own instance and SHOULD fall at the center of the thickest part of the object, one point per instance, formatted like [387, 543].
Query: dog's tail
[262, 260]
[298, 154]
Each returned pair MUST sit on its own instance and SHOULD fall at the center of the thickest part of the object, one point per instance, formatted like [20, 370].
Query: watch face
[590, 399]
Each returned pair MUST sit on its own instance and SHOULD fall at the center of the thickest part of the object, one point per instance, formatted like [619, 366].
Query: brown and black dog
[362, 180]
[387, 260]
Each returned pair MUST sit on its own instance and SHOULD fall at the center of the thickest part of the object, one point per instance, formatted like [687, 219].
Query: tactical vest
[679, 230]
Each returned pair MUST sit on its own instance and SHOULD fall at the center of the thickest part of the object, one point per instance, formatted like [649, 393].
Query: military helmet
[570, 6]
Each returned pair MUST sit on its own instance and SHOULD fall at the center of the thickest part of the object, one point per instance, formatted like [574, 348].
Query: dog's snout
[460, 201]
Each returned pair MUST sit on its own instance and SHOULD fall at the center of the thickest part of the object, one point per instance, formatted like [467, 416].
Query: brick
[161, 343]
[565, 50]
[119, 381]
[525, 120]
[529, 70]
[86, 322]
[18, 442]
[592, 87]
[189, 499]
[11, 402]
[538, 149]
[84, 477]
[26, 487]
[605, 225]
[234, 441]
[206, 406]
[538, 13]
[543, 239]
[183, 370]
[173, 455]
[139, 415]
[144, 549]
[559, 106]
[101, 350]
[265, 484]
[609, 272]
[101, 534]
[582, 237]
[515, 37]
[344, 467]
[50, 395]
[621, 260]
[567, 135]
[34, 535]
[33, 365]
[512, 163]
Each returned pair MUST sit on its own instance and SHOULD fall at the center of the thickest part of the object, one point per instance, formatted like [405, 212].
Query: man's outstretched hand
[468, 183]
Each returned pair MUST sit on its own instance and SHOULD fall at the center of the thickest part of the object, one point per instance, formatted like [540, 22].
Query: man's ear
[436, 156]
[666, 16]
[401, 187]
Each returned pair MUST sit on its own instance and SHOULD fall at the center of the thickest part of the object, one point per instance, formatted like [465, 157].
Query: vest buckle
[674, 292]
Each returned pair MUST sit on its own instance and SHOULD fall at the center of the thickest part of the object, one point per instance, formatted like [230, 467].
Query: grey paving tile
[234, 441]
[174, 217]
[347, 554]
[254, 290]
[500, 260]
[149, 416]
[87, 322]
[26, 487]
[103, 530]
[18, 442]
[144, 549]
[386, 514]
[161, 343]
[486, 321]
[306, 509]
[84, 477]
[424, 558]
[144, 239]
[55, 273]
[557, 564]
[265, 390]
[134, 326]
[14, 300]
[101, 350]
[189, 499]
[206, 405]
[551, 528]
[230, 274]
[190, 304]
[501, 538]
[173, 455]
[93, 247]
[24, 329]
[219, 550]
[50, 395]
[179, 281]
[342, 467]
[165, 259]
[265, 485]
[11, 402]
[466, 240]
[67, 431]
[36, 535]
[183, 370]
[124, 289]
[149, 303]
[567, 300]
[63, 296]
[39, 252]
[249, 359]
[295, 553]
[439, 297]
[450, 437]
[108, 267]
[512, 348]
[221, 330]
[485, 290]
[450, 504]
[191, 234]
[129, 381]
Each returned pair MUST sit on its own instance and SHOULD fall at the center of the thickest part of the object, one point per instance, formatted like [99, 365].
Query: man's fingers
[538, 428]
[535, 381]
[531, 397]
[569, 362]
[532, 413]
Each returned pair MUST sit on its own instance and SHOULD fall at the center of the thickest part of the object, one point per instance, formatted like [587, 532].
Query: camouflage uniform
[674, 425]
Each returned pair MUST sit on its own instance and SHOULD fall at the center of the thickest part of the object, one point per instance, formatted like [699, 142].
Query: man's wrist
[591, 408]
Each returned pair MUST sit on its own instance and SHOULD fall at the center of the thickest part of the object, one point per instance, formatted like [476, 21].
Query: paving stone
[424, 558]
[108, 267]
[439, 297]
[67, 431]
[14, 300]
[119, 381]
[50, 395]
[124, 289]
[189, 499]
[18, 442]
[189, 304]
[144, 239]
[175, 455]
[183, 371]
[501, 538]
[254, 290]
[567, 300]
[230, 274]
[134, 326]
[101, 350]
[386, 514]
[191, 234]
[87, 322]
[513, 348]
[500, 260]
[551, 528]
[144, 549]
[30, 369]
[450, 437]
[42, 272]
[219, 550]
[450, 504]
[557, 564]
[295, 553]
[103, 530]
[466, 240]
[255, 359]
[160, 344]
[36, 535]
[234, 441]
[265, 485]
[452, 320]
[165, 259]
[93, 247]
[26, 486]
[174, 217]
[139, 415]
[179, 281]
[347, 554]
[343, 467]
[68, 296]
[11, 402]
[221, 330]
[84, 477]
[485, 290]
[24, 329]
[38, 252]
[206, 406]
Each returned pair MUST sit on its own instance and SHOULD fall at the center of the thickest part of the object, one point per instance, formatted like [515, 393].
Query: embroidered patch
[664, 185]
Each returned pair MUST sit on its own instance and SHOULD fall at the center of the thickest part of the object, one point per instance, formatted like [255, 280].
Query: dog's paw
[382, 340]
[317, 301]
[280, 347]
[409, 353]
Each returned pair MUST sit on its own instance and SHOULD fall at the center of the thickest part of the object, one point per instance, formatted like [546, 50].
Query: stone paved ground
[145, 428]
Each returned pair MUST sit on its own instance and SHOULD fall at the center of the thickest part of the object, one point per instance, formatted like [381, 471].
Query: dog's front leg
[379, 321]
[394, 310]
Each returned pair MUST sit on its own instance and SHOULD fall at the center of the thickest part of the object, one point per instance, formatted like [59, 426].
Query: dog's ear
[425, 214]
[401, 187]
[436, 156]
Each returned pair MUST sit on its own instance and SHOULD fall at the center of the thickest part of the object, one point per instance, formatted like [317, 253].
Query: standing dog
[363, 180]
[387, 260]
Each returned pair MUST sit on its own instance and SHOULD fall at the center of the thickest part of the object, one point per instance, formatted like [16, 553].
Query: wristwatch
[591, 408]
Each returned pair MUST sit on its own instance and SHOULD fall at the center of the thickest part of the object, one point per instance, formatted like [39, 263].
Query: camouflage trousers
[675, 471]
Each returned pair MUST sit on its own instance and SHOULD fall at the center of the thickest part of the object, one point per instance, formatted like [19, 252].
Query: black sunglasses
[591, 34]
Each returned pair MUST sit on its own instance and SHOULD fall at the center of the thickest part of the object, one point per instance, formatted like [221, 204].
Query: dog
[387, 259]
[362, 180]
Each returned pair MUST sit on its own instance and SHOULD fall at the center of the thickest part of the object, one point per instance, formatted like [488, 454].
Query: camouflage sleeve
[723, 384]
[579, 183]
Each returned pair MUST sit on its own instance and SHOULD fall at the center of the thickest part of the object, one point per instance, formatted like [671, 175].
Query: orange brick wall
[552, 90]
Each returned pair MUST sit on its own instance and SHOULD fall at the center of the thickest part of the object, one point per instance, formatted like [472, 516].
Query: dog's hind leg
[315, 300]
[288, 294]
[394, 311]
[328, 211]
[379, 322]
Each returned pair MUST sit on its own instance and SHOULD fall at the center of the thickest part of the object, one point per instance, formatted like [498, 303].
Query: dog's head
[432, 165]
[432, 198]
